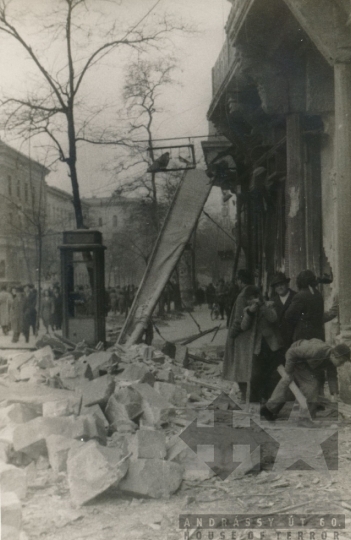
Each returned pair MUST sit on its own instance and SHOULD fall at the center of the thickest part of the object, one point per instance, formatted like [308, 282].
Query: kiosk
[83, 286]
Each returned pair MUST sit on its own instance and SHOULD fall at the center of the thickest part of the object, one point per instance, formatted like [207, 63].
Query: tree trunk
[40, 256]
[72, 164]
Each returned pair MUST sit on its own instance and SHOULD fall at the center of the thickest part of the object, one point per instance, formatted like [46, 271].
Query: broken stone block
[92, 469]
[175, 394]
[181, 355]
[17, 413]
[15, 363]
[45, 357]
[30, 438]
[151, 444]
[165, 375]
[98, 391]
[194, 465]
[99, 362]
[96, 411]
[131, 400]
[148, 378]
[13, 479]
[58, 448]
[193, 391]
[63, 407]
[118, 417]
[169, 349]
[11, 511]
[134, 372]
[152, 478]
[156, 409]
[5, 451]
[88, 427]
[71, 372]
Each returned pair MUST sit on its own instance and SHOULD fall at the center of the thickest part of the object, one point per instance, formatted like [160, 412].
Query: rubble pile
[102, 419]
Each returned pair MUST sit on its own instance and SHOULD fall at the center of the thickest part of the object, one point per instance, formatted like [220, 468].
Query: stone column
[343, 190]
[295, 239]
[342, 75]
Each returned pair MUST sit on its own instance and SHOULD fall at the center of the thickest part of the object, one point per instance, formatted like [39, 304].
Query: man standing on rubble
[305, 359]
[238, 346]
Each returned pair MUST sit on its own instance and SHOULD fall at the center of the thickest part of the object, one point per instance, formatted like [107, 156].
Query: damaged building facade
[282, 109]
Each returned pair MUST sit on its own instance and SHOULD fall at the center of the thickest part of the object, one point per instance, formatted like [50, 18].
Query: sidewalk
[6, 341]
[176, 329]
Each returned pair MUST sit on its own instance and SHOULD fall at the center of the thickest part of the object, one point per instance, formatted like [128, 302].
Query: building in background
[22, 215]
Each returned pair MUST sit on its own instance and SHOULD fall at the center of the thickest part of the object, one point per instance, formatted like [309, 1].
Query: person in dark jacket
[17, 313]
[305, 359]
[306, 311]
[210, 295]
[27, 309]
[57, 310]
[282, 298]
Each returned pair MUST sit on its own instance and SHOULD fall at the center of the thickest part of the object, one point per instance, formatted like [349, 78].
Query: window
[100, 222]
[26, 192]
[10, 218]
[115, 221]
[9, 183]
[18, 189]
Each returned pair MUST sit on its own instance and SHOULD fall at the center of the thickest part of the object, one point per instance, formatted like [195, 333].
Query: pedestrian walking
[47, 309]
[5, 309]
[56, 319]
[210, 295]
[113, 301]
[221, 297]
[17, 313]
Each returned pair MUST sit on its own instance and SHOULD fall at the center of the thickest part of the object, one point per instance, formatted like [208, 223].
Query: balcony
[228, 58]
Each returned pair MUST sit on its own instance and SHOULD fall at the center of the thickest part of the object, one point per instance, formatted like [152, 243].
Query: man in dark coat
[306, 311]
[305, 359]
[282, 297]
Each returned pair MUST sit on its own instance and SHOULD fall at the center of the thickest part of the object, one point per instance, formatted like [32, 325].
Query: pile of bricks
[104, 419]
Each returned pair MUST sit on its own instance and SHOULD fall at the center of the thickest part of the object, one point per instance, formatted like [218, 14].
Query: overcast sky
[185, 105]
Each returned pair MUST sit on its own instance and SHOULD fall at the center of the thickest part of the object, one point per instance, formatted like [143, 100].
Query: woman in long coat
[17, 314]
[47, 309]
[5, 309]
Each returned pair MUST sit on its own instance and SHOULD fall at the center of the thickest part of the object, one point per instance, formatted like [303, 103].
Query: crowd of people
[119, 299]
[286, 329]
[19, 310]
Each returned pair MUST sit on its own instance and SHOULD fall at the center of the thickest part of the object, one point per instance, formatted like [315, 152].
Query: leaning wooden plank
[176, 231]
[197, 336]
[201, 359]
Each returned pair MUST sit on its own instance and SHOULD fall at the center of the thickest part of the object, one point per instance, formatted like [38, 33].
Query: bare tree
[143, 88]
[58, 107]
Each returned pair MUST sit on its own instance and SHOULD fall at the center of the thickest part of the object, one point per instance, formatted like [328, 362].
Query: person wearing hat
[306, 311]
[282, 297]
[305, 360]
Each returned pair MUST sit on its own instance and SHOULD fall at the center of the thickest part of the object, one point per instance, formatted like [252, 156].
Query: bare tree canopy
[64, 43]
